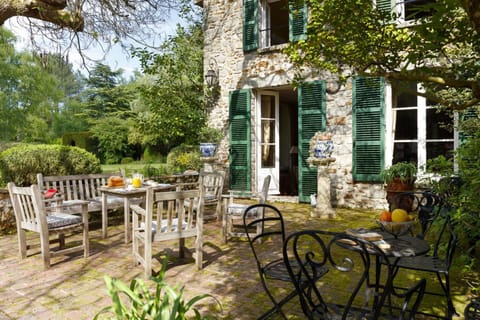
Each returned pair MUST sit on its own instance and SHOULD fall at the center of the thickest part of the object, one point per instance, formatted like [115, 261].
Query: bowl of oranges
[397, 222]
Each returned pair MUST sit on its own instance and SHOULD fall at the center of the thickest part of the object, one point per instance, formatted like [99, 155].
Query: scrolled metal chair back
[336, 293]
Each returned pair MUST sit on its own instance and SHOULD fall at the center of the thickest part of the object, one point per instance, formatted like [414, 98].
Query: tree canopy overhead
[439, 49]
[79, 23]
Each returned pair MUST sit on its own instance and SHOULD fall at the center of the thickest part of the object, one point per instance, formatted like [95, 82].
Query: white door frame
[275, 170]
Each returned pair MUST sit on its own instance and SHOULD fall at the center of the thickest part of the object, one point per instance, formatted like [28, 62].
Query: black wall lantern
[211, 78]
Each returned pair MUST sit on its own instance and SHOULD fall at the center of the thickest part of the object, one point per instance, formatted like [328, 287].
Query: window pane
[405, 151]
[268, 106]
[279, 22]
[406, 125]
[268, 156]
[436, 125]
[435, 149]
[405, 99]
[414, 10]
[268, 131]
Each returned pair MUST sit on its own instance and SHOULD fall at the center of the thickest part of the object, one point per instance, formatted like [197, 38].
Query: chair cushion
[72, 208]
[237, 209]
[164, 226]
[209, 198]
[58, 220]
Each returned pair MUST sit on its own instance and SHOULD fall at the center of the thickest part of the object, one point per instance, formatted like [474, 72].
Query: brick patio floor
[74, 288]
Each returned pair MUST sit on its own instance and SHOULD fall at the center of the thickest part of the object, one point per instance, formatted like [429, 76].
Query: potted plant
[209, 137]
[399, 177]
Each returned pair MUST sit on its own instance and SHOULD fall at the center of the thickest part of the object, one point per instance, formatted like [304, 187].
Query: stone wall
[269, 69]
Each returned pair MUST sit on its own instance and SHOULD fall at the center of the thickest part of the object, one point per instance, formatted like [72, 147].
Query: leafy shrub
[183, 158]
[151, 155]
[209, 134]
[151, 172]
[163, 303]
[21, 163]
[460, 191]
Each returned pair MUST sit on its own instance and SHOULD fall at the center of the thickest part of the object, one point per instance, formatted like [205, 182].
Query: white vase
[207, 149]
[323, 149]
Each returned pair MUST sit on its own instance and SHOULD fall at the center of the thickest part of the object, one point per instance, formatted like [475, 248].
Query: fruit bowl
[396, 228]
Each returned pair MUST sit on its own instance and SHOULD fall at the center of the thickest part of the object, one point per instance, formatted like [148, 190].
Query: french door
[268, 151]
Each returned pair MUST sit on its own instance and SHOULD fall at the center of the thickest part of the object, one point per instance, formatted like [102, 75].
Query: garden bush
[183, 158]
[21, 163]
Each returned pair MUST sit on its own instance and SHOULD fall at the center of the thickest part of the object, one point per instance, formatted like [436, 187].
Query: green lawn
[144, 168]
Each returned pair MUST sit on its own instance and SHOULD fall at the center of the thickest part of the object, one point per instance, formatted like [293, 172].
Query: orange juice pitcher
[137, 180]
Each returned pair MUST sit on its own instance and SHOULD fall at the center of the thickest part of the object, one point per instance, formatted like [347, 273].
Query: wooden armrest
[136, 209]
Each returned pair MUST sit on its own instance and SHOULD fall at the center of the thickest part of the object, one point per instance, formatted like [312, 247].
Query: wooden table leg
[104, 215]
[126, 211]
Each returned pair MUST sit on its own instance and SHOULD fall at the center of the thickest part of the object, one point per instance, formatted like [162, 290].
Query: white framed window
[274, 23]
[407, 11]
[416, 130]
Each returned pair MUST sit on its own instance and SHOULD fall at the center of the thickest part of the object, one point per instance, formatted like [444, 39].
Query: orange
[385, 216]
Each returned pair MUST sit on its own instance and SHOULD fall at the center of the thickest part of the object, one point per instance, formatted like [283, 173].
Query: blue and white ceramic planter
[323, 149]
[208, 149]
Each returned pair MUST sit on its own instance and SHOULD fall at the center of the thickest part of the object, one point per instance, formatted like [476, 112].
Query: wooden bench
[84, 187]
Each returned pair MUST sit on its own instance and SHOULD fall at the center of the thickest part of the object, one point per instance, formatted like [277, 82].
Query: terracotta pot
[395, 187]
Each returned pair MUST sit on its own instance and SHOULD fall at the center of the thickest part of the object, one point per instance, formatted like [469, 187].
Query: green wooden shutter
[239, 133]
[385, 5]
[250, 25]
[297, 16]
[368, 129]
[470, 113]
[311, 118]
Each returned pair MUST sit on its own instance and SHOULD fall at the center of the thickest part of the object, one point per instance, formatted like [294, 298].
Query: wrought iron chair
[32, 214]
[266, 244]
[472, 310]
[437, 262]
[232, 217]
[336, 294]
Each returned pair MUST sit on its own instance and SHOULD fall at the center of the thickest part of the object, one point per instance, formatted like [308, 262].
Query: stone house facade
[269, 123]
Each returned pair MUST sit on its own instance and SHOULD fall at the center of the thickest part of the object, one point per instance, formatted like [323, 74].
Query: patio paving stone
[74, 288]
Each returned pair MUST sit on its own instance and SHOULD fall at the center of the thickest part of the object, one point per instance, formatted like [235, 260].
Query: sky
[116, 58]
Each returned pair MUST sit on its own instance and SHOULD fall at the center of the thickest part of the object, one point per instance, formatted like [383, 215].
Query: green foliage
[106, 92]
[126, 160]
[405, 171]
[82, 139]
[137, 301]
[112, 136]
[209, 134]
[29, 95]
[460, 192]
[440, 165]
[21, 163]
[355, 37]
[170, 109]
[150, 171]
[183, 158]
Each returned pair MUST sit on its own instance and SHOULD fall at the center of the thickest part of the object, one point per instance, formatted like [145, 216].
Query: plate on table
[365, 234]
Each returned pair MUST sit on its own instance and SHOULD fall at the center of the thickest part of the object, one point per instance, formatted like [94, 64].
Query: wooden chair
[211, 183]
[166, 218]
[346, 289]
[31, 214]
[233, 212]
